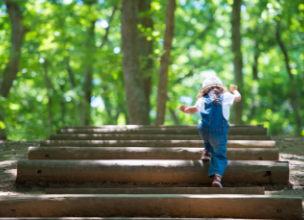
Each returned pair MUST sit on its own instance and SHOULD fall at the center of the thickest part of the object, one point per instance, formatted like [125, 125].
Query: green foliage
[57, 31]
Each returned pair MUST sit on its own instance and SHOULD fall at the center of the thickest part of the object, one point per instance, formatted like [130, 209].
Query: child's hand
[233, 87]
[183, 107]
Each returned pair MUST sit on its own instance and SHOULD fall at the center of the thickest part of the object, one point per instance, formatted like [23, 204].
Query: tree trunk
[105, 97]
[146, 48]
[108, 106]
[173, 116]
[85, 107]
[2, 129]
[237, 57]
[48, 84]
[255, 61]
[164, 63]
[295, 102]
[63, 105]
[70, 72]
[12, 67]
[73, 86]
[133, 81]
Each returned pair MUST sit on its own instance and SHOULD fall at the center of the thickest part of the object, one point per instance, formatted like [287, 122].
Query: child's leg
[206, 155]
[208, 146]
[203, 133]
[219, 160]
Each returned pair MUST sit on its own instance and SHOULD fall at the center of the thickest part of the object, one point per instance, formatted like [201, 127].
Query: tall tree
[133, 81]
[164, 63]
[10, 72]
[48, 85]
[146, 47]
[85, 107]
[87, 87]
[89, 52]
[255, 60]
[295, 102]
[237, 57]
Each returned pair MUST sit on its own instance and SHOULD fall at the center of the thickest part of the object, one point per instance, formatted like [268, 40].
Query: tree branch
[203, 33]
[179, 80]
[70, 72]
[283, 48]
[105, 37]
[295, 102]
[191, 71]
[48, 84]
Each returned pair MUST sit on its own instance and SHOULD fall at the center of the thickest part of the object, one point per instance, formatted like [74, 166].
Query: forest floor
[291, 150]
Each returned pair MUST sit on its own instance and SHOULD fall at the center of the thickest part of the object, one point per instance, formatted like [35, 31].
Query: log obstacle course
[150, 171]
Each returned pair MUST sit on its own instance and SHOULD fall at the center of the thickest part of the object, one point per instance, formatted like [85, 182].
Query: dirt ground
[291, 149]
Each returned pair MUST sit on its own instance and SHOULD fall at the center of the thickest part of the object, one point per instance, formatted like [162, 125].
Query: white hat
[212, 81]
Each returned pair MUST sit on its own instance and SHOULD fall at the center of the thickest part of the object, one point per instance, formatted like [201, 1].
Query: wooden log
[159, 190]
[109, 153]
[95, 218]
[147, 137]
[182, 131]
[154, 143]
[152, 126]
[149, 171]
[187, 206]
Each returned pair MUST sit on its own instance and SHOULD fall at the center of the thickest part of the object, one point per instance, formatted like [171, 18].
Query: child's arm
[237, 95]
[189, 110]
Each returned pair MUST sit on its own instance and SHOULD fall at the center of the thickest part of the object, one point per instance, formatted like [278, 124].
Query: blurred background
[81, 62]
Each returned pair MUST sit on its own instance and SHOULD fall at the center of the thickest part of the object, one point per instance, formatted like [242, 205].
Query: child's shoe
[217, 182]
[205, 156]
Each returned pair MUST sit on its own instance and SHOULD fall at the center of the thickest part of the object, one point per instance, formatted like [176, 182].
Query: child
[214, 106]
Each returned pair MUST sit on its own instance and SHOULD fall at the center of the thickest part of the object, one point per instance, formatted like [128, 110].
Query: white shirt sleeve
[228, 99]
[200, 105]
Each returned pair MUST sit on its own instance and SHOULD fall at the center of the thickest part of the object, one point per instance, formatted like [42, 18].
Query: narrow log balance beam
[154, 143]
[191, 206]
[149, 171]
[179, 153]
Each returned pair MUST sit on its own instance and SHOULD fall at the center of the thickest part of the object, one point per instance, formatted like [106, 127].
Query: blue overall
[214, 129]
